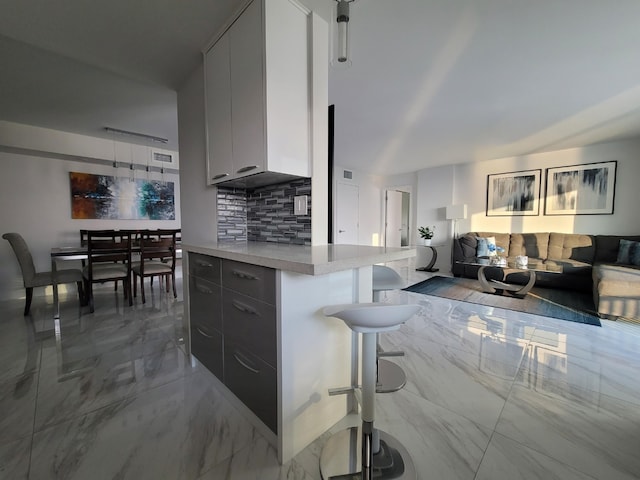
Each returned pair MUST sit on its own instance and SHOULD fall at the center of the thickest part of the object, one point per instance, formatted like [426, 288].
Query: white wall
[370, 205]
[36, 202]
[467, 183]
[471, 188]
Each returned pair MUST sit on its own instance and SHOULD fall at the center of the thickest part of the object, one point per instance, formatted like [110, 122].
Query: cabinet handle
[220, 175]
[244, 308]
[246, 169]
[239, 358]
[203, 289]
[203, 333]
[202, 263]
[244, 275]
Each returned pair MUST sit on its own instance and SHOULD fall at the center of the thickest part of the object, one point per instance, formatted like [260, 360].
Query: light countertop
[317, 260]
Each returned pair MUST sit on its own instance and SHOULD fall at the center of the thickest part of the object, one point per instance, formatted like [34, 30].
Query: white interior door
[346, 214]
[393, 218]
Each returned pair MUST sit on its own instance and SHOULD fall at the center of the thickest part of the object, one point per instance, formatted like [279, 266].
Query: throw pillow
[629, 253]
[486, 247]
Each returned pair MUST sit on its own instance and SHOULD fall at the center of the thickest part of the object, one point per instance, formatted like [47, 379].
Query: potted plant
[426, 233]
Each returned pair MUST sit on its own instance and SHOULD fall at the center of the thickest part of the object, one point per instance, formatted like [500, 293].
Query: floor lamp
[455, 213]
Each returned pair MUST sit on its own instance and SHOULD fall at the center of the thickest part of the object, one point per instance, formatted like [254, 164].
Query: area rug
[556, 303]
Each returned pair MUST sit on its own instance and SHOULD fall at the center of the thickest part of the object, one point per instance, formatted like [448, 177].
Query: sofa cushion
[569, 266]
[573, 246]
[616, 290]
[607, 247]
[534, 245]
[629, 253]
[468, 245]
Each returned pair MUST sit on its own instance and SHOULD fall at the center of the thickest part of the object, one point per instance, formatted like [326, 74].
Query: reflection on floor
[491, 394]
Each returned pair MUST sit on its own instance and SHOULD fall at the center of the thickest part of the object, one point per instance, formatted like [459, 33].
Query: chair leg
[90, 296]
[173, 282]
[27, 304]
[135, 286]
[81, 294]
[144, 300]
[167, 279]
[127, 289]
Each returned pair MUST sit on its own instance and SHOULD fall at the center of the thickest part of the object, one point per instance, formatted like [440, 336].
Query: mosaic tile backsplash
[264, 214]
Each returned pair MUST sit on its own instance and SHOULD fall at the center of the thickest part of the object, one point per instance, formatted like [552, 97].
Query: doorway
[347, 205]
[396, 222]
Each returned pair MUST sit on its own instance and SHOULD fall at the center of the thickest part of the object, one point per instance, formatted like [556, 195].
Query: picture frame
[513, 194]
[587, 189]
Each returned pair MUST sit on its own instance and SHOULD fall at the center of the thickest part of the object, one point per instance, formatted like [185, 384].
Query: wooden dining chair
[108, 259]
[157, 259]
[32, 279]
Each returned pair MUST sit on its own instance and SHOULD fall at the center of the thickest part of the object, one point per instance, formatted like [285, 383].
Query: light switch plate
[300, 205]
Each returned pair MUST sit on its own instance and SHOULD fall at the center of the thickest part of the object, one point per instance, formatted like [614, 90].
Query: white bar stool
[370, 453]
[391, 377]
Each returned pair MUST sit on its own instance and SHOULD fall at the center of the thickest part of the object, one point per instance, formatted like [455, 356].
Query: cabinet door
[252, 381]
[247, 91]
[205, 303]
[206, 346]
[218, 112]
[252, 324]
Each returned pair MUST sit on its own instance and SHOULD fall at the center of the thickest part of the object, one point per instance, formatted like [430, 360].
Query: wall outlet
[300, 205]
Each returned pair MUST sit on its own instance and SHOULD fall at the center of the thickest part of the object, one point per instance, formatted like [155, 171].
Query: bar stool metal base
[391, 377]
[341, 458]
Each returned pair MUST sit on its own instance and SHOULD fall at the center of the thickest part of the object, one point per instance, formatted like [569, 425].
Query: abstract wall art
[120, 198]
[587, 189]
[513, 193]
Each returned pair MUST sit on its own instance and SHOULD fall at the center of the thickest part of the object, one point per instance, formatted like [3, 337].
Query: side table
[434, 257]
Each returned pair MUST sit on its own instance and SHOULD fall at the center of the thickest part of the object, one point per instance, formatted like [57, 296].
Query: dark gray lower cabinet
[233, 329]
[252, 381]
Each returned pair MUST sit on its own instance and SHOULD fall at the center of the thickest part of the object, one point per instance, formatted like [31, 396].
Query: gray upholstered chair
[31, 278]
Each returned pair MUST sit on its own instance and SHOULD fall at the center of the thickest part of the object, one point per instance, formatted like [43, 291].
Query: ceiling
[432, 82]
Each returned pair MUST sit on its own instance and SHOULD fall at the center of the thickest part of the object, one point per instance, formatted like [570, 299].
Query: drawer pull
[242, 360]
[203, 333]
[244, 275]
[220, 175]
[246, 169]
[244, 308]
[203, 289]
[202, 263]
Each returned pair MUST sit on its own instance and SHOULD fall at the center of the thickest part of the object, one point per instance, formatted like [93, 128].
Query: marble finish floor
[491, 394]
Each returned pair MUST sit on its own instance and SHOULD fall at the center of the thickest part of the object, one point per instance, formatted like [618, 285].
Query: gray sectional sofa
[587, 262]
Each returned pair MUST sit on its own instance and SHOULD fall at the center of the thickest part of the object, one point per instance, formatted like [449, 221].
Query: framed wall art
[120, 198]
[513, 193]
[587, 189]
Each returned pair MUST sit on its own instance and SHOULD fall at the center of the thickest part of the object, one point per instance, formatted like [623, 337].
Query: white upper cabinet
[257, 89]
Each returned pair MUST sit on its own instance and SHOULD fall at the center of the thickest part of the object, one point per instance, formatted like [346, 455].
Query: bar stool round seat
[391, 376]
[366, 451]
[372, 317]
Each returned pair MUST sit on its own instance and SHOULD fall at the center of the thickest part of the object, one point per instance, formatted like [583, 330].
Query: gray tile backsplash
[264, 214]
[232, 215]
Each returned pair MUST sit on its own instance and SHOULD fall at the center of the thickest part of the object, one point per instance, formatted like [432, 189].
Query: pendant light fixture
[342, 20]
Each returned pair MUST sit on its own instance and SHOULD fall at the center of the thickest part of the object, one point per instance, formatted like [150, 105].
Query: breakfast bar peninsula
[254, 316]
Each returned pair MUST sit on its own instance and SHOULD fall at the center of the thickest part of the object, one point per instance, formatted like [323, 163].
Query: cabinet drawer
[253, 382]
[205, 303]
[204, 266]
[250, 323]
[252, 280]
[206, 346]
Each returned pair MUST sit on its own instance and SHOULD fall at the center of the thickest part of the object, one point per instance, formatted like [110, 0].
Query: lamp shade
[456, 212]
